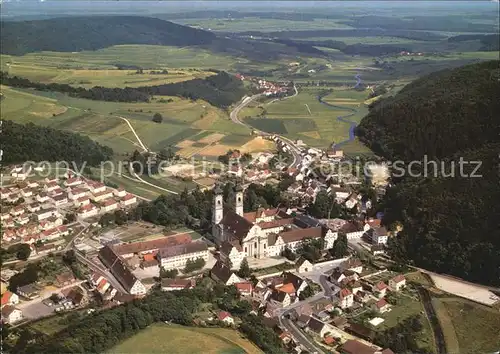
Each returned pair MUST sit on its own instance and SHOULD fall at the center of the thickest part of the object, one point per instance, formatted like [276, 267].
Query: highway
[294, 150]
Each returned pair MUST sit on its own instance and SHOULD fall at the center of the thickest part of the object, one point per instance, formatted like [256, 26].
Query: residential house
[317, 327]
[71, 182]
[303, 321]
[29, 291]
[97, 197]
[51, 186]
[128, 200]
[346, 298]
[42, 197]
[9, 298]
[45, 213]
[220, 272]
[381, 306]
[338, 276]
[378, 235]
[76, 296]
[380, 289]
[76, 193]
[244, 288]
[281, 298]
[303, 265]
[17, 211]
[362, 297]
[96, 187]
[353, 264]
[225, 317]
[81, 201]
[120, 192]
[11, 314]
[103, 286]
[398, 282]
[34, 207]
[26, 193]
[299, 283]
[109, 205]
[177, 284]
[88, 211]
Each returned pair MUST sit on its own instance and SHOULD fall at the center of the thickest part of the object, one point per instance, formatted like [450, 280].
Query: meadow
[304, 117]
[172, 339]
[468, 327]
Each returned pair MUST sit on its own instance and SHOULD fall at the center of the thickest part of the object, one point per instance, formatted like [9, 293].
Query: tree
[244, 271]
[172, 273]
[21, 250]
[107, 219]
[70, 217]
[312, 250]
[306, 293]
[157, 118]
[120, 217]
[191, 265]
[340, 247]
[289, 254]
[69, 257]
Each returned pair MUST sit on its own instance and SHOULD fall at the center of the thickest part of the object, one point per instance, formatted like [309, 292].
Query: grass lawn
[56, 323]
[172, 339]
[405, 308]
[468, 327]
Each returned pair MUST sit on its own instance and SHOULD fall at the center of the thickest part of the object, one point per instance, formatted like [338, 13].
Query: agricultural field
[304, 117]
[468, 327]
[144, 56]
[260, 24]
[90, 77]
[161, 338]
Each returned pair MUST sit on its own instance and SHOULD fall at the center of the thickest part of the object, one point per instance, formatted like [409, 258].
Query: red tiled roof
[381, 285]
[128, 197]
[398, 278]
[6, 297]
[244, 286]
[381, 303]
[223, 314]
[275, 223]
[301, 234]
[287, 288]
[345, 292]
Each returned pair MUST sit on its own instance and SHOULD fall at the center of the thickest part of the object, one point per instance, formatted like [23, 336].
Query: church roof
[253, 215]
[235, 224]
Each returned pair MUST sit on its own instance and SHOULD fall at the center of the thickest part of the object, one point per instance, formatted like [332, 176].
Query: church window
[245, 250]
[255, 245]
[239, 199]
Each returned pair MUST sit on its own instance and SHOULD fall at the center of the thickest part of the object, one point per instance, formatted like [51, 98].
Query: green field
[172, 339]
[468, 327]
[319, 127]
[145, 56]
[261, 24]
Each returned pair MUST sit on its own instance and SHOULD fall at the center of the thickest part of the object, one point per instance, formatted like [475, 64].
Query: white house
[45, 213]
[381, 306]
[225, 317]
[220, 272]
[102, 195]
[346, 298]
[303, 265]
[109, 205]
[398, 282]
[88, 211]
[11, 314]
[120, 192]
[128, 200]
[9, 298]
[176, 257]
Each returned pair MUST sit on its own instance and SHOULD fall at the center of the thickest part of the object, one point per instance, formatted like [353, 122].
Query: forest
[30, 142]
[448, 210]
[74, 34]
[220, 90]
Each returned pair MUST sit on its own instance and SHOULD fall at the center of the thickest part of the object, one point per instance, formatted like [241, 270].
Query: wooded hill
[32, 142]
[219, 90]
[450, 223]
[74, 34]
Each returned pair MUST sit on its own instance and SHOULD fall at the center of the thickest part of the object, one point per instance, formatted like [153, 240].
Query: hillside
[450, 222]
[436, 115]
[31, 142]
[73, 34]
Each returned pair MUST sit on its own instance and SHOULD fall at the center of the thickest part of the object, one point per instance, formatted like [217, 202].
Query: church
[262, 233]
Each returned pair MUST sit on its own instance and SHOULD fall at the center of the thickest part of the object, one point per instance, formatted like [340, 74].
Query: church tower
[217, 212]
[239, 200]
